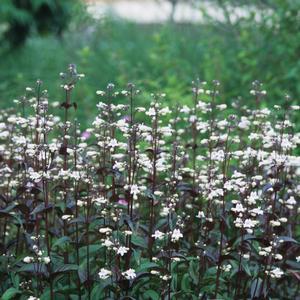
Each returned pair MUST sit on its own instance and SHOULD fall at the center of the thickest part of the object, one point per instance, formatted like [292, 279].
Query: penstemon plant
[188, 202]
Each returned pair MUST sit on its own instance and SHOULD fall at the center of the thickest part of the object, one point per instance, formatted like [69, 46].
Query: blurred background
[160, 45]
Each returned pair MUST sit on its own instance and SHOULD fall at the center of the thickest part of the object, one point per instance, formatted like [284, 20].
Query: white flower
[226, 268]
[151, 112]
[20, 140]
[105, 230]
[158, 235]
[238, 222]
[295, 107]
[256, 211]
[200, 215]
[164, 110]
[100, 200]
[221, 106]
[134, 190]
[100, 93]
[265, 251]
[185, 109]
[98, 122]
[291, 201]
[113, 143]
[252, 198]
[176, 235]
[122, 125]
[275, 223]
[46, 260]
[238, 208]
[108, 243]
[129, 274]
[35, 176]
[103, 274]
[275, 273]
[81, 203]
[165, 277]
[67, 217]
[165, 211]
[28, 259]
[122, 250]
[248, 223]
[298, 258]
[283, 220]
[244, 123]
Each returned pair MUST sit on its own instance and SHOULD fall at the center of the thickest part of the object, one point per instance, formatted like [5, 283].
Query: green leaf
[246, 268]
[61, 242]
[146, 265]
[82, 273]
[255, 288]
[174, 282]
[35, 268]
[93, 249]
[138, 241]
[42, 208]
[65, 268]
[151, 294]
[10, 293]
[288, 239]
[15, 278]
[185, 283]
[193, 270]
[98, 289]
[293, 264]
[46, 295]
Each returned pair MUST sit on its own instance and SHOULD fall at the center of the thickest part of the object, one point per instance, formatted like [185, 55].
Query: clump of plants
[157, 202]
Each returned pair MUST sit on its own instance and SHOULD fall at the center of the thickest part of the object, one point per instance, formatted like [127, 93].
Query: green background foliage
[22, 17]
[264, 45]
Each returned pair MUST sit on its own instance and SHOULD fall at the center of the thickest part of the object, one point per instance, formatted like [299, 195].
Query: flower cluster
[150, 202]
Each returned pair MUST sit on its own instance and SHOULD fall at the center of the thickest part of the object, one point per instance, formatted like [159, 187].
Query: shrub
[194, 202]
[43, 16]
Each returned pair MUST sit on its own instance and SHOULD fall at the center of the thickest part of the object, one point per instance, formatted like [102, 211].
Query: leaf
[288, 239]
[185, 283]
[61, 242]
[174, 282]
[82, 273]
[93, 249]
[6, 211]
[15, 278]
[266, 187]
[79, 220]
[293, 264]
[35, 268]
[151, 294]
[256, 287]
[193, 270]
[246, 237]
[41, 208]
[46, 295]
[296, 274]
[138, 241]
[98, 289]
[65, 268]
[10, 293]
[146, 265]
[246, 268]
